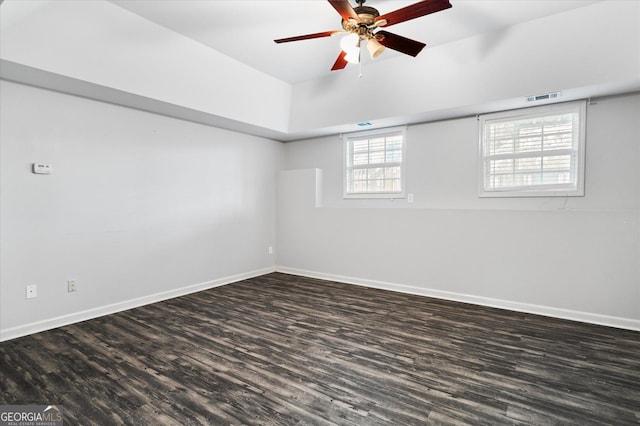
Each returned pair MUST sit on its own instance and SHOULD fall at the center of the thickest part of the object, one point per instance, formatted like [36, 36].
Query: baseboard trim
[586, 317]
[36, 327]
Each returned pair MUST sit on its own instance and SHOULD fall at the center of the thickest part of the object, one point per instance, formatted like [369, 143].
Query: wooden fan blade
[344, 9]
[413, 11]
[399, 43]
[307, 36]
[341, 62]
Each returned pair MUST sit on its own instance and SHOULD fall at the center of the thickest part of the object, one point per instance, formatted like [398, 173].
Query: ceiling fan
[361, 21]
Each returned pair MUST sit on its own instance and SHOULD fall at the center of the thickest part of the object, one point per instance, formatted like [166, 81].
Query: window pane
[500, 166]
[376, 144]
[360, 159]
[394, 156]
[360, 146]
[392, 172]
[394, 142]
[526, 164]
[557, 163]
[529, 144]
[372, 173]
[376, 157]
[500, 138]
[359, 174]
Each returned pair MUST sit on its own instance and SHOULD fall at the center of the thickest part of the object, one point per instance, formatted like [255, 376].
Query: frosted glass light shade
[350, 43]
[352, 57]
[351, 46]
[374, 47]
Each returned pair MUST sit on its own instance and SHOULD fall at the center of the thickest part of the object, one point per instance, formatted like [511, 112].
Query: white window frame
[347, 167]
[572, 189]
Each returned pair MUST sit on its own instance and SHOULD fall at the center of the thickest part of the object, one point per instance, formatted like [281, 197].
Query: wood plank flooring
[287, 350]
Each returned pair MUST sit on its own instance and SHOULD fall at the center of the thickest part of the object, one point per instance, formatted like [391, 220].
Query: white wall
[570, 257]
[139, 207]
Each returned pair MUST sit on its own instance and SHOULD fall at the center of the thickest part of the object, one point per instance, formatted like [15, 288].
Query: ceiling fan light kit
[361, 21]
[351, 46]
[374, 47]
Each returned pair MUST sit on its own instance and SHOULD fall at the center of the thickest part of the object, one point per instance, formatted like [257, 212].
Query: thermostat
[42, 169]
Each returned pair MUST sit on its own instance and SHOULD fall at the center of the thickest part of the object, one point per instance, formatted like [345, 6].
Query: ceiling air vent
[543, 97]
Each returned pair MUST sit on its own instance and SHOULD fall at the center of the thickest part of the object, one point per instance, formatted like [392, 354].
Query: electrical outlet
[409, 198]
[71, 286]
[32, 291]
[270, 250]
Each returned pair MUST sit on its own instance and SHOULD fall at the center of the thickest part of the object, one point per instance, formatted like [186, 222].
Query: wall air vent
[543, 97]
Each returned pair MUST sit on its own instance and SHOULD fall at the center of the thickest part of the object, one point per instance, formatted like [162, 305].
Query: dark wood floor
[280, 349]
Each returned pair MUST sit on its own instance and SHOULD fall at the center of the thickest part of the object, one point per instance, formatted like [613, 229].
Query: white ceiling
[116, 59]
[245, 29]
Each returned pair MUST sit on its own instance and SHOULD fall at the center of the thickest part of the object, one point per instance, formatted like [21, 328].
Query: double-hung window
[374, 163]
[536, 151]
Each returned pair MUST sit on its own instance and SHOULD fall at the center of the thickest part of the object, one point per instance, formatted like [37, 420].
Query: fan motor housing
[366, 14]
[367, 17]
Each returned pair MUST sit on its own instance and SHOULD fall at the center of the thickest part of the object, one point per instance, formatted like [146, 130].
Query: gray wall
[139, 207]
[142, 207]
[573, 257]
